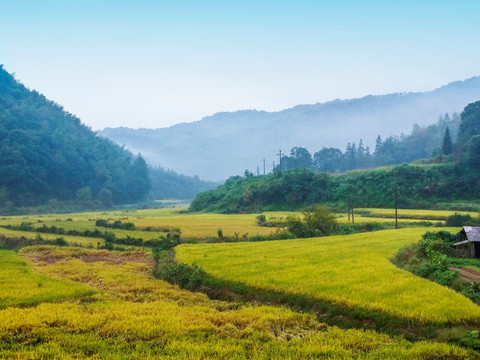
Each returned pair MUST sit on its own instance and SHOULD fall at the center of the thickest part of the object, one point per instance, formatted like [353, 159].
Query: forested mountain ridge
[47, 153]
[226, 144]
[416, 185]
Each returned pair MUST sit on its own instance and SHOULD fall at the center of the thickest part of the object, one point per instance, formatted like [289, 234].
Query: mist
[227, 144]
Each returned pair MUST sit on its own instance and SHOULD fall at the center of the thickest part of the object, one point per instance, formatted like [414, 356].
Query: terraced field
[55, 304]
[414, 213]
[191, 225]
[71, 240]
[133, 315]
[22, 286]
[352, 270]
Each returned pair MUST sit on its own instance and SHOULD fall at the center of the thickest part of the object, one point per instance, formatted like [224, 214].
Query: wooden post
[396, 207]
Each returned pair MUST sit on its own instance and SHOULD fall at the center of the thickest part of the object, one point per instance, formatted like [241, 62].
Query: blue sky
[151, 63]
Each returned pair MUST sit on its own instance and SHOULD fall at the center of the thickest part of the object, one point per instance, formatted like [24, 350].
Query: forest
[456, 177]
[48, 158]
[433, 142]
[47, 153]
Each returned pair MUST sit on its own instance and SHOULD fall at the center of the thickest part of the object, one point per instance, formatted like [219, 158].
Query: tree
[447, 146]
[470, 123]
[5, 204]
[328, 160]
[105, 197]
[378, 146]
[472, 153]
[299, 158]
[138, 180]
[320, 220]
[351, 157]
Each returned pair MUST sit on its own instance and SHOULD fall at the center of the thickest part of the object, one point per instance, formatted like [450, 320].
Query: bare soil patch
[117, 258]
[469, 274]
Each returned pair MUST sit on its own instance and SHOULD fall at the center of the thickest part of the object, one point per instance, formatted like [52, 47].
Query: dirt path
[469, 274]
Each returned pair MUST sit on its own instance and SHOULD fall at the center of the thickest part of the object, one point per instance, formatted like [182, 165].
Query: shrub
[60, 242]
[460, 220]
[261, 220]
[446, 277]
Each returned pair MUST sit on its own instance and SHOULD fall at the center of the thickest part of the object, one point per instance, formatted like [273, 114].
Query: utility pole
[273, 169]
[396, 207]
[350, 210]
[258, 171]
[263, 166]
[280, 155]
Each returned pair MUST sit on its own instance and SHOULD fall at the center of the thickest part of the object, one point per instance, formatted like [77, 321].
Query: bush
[60, 242]
[440, 241]
[320, 220]
[298, 228]
[186, 276]
[261, 220]
[461, 220]
[446, 277]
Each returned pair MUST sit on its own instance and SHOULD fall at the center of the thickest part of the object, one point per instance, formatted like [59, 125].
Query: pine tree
[447, 146]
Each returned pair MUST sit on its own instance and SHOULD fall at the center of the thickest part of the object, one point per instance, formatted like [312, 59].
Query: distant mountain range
[228, 143]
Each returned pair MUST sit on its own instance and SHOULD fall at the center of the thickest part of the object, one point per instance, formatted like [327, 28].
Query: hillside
[226, 144]
[417, 186]
[47, 153]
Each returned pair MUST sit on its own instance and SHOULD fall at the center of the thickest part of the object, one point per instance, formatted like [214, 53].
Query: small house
[471, 242]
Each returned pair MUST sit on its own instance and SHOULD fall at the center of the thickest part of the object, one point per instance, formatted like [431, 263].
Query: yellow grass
[359, 219]
[416, 213]
[19, 285]
[71, 240]
[354, 270]
[136, 316]
[191, 225]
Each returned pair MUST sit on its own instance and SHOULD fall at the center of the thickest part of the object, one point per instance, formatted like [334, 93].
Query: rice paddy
[136, 316]
[353, 270]
[71, 302]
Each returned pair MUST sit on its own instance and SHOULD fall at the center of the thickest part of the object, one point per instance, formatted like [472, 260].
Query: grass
[359, 219]
[352, 270]
[192, 225]
[136, 316]
[414, 213]
[21, 286]
[202, 226]
[71, 240]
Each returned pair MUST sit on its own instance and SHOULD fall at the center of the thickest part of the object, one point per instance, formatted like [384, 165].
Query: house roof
[472, 233]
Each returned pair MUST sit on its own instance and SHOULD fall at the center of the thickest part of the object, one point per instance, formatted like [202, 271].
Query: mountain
[225, 144]
[46, 153]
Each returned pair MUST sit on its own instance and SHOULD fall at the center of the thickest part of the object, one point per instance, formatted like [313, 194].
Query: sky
[152, 64]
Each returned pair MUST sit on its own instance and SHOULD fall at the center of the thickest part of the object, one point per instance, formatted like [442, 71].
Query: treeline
[172, 238]
[423, 142]
[416, 185]
[167, 184]
[47, 153]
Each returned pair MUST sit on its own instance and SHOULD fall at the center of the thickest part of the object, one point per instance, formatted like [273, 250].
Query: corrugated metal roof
[472, 232]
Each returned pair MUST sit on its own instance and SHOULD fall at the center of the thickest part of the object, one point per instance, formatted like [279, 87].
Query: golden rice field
[20, 285]
[133, 315]
[416, 213]
[203, 225]
[353, 270]
[359, 219]
[191, 225]
[71, 240]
